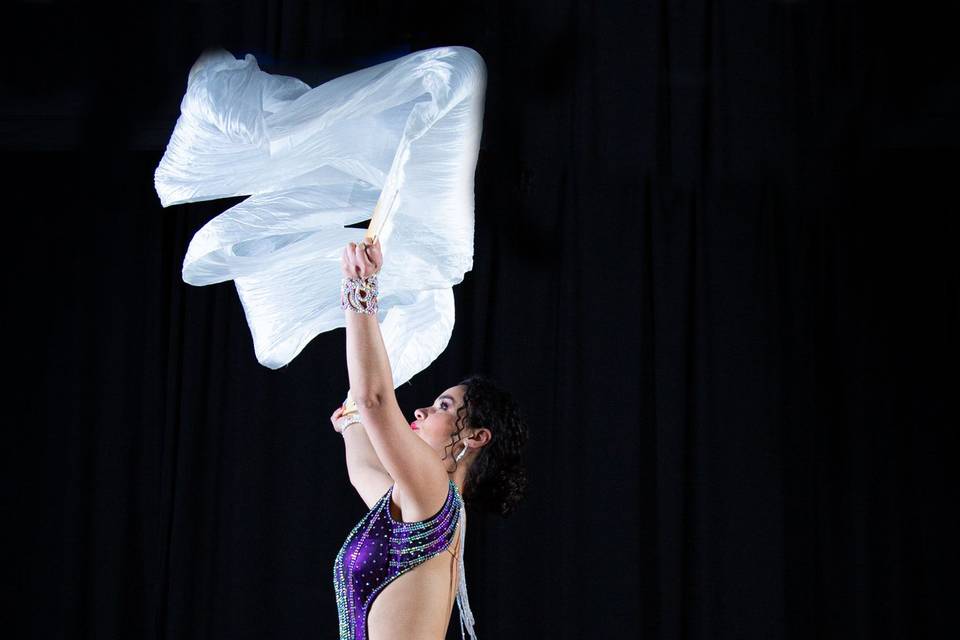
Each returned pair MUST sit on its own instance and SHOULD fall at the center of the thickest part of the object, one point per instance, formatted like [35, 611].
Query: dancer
[401, 567]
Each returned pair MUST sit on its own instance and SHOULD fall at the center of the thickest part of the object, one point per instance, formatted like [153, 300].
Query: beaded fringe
[463, 603]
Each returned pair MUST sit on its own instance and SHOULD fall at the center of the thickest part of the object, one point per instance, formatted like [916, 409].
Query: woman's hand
[336, 416]
[361, 260]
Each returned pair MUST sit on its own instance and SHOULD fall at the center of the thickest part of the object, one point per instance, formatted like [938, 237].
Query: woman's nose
[419, 414]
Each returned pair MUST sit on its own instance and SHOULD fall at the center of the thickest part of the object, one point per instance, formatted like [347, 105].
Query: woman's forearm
[368, 365]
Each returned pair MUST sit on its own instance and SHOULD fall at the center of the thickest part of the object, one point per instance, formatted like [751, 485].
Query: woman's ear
[482, 436]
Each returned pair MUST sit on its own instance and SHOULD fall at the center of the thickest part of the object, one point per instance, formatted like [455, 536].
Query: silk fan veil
[313, 160]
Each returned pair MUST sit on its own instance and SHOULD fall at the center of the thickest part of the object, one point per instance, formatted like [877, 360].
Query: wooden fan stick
[379, 218]
[376, 222]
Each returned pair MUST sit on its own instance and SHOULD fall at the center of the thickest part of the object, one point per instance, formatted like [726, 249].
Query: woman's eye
[443, 405]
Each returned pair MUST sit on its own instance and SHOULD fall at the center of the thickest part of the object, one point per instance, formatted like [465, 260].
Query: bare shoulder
[411, 506]
[421, 480]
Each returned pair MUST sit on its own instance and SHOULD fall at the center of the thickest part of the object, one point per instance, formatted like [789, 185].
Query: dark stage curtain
[715, 262]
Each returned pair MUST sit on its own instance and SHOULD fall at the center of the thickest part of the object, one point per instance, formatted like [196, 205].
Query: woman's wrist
[360, 262]
[360, 295]
[346, 422]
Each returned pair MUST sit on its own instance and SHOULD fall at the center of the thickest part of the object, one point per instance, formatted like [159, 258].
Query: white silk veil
[312, 160]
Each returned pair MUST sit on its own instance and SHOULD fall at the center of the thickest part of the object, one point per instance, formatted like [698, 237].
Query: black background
[715, 261]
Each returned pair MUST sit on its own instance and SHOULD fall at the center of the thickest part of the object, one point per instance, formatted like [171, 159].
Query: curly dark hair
[497, 479]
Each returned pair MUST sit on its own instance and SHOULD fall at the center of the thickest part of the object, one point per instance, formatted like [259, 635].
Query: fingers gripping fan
[396, 143]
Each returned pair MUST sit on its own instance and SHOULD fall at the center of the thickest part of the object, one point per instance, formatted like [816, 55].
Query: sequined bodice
[379, 550]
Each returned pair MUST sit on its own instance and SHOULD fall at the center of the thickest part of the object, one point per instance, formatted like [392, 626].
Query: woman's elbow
[369, 400]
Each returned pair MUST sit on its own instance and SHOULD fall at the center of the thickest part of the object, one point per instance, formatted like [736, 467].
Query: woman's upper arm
[371, 483]
[411, 462]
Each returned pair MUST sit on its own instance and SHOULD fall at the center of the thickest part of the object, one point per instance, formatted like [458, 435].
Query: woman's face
[437, 423]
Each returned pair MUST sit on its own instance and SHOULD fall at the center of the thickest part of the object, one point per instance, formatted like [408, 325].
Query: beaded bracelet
[344, 423]
[359, 294]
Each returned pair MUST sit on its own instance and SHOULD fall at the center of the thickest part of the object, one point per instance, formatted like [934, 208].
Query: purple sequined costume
[381, 548]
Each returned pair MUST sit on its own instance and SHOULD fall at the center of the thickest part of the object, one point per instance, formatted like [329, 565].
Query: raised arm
[410, 461]
[366, 472]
